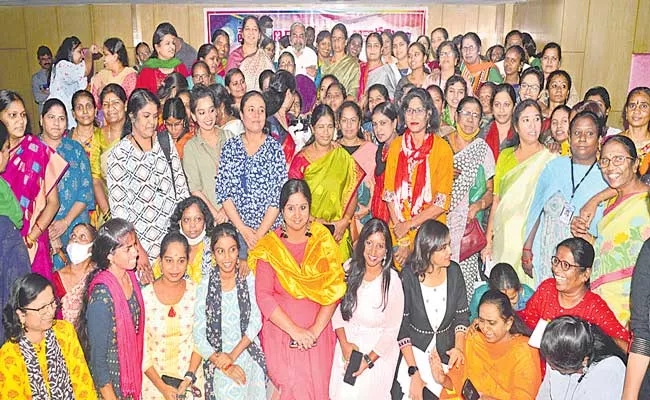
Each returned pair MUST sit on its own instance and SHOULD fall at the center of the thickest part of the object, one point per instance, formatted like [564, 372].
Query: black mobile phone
[469, 392]
[171, 381]
[330, 227]
[353, 366]
[294, 345]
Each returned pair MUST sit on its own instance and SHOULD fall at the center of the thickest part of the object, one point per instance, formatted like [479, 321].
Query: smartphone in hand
[353, 366]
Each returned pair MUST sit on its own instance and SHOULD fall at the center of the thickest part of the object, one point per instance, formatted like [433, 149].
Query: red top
[298, 166]
[544, 304]
[152, 78]
[492, 138]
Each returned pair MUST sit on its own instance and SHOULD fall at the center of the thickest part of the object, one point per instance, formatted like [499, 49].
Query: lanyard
[574, 188]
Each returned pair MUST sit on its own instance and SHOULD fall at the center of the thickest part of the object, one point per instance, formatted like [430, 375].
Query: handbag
[473, 240]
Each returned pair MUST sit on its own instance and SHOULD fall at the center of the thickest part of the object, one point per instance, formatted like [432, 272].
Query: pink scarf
[129, 351]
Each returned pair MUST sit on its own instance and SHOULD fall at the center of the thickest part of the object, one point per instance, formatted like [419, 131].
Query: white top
[307, 58]
[435, 302]
[611, 131]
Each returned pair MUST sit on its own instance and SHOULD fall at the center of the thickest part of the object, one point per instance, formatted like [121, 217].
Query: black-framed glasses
[563, 264]
[617, 161]
[42, 311]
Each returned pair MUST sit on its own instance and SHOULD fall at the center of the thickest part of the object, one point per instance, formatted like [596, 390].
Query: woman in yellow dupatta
[498, 360]
[333, 177]
[299, 280]
[515, 181]
[344, 67]
[419, 172]
[622, 230]
[473, 68]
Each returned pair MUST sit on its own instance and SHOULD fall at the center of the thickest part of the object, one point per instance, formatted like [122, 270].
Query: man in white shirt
[306, 59]
[40, 85]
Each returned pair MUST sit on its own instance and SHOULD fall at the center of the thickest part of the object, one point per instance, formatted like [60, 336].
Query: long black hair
[431, 237]
[64, 53]
[281, 82]
[23, 291]
[567, 340]
[502, 302]
[357, 270]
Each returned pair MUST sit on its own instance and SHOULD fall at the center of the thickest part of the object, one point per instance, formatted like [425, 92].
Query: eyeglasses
[415, 111]
[617, 161]
[643, 106]
[345, 121]
[44, 310]
[526, 87]
[469, 49]
[563, 264]
[468, 114]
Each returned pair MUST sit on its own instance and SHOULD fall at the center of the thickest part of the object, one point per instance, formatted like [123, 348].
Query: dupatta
[518, 187]
[320, 277]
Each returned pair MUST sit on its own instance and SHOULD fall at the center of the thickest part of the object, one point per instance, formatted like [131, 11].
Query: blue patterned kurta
[226, 388]
[253, 183]
[76, 185]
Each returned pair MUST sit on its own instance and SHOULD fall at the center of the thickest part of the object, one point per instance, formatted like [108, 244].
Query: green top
[9, 205]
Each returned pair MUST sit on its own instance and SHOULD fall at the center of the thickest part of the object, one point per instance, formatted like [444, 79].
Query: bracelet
[368, 361]
[38, 226]
[227, 367]
[30, 242]
[191, 375]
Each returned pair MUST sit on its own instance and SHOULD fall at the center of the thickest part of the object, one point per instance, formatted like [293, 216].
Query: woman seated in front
[504, 279]
[498, 360]
[582, 360]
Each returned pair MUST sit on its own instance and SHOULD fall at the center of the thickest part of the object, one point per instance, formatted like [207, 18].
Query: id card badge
[567, 214]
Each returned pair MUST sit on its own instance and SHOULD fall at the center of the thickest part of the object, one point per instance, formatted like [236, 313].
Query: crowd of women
[424, 221]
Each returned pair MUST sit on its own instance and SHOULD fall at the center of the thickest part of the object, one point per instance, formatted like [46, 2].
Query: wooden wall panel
[609, 50]
[459, 19]
[75, 21]
[12, 34]
[16, 76]
[541, 18]
[574, 26]
[573, 62]
[177, 15]
[489, 20]
[112, 21]
[434, 18]
[44, 33]
[642, 37]
[145, 23]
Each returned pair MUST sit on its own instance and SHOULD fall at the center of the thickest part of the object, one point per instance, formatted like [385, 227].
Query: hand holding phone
[469, 392]
[353, 366]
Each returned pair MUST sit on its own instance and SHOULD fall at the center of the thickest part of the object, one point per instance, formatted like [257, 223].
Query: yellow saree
[347, 71]
[333, 181]
[515, 188]
[320, 277]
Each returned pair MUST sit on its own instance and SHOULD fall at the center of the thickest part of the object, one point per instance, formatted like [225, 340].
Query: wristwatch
[368, 361]
[412, 370]
[192, 376]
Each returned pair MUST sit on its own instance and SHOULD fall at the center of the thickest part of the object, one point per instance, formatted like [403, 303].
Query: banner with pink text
[363, 20]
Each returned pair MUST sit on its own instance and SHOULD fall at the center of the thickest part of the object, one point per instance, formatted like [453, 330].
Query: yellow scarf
[467, 137]
[320, 276]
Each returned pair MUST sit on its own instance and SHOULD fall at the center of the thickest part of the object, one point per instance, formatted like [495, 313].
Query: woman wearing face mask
[168, 342]
[162, 61]
[498, 360]
[581, 359]
[193, 220]
[472, 189]
[344, 67]
[146, 195]
[42, 355]
[324, 165]
[36, 187]
[515, 180]
[564, 184]
[499, 134]
[227, 324]
[70, 281]
[116, 69]
[75, 195]
[14, 259]
[69, 72]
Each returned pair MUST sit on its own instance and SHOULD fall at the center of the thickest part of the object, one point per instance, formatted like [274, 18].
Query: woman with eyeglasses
[473, 67]
[472, 189]
[568, 293]
[566, 183]
[623, 228]
[419, 172]
[42, 358]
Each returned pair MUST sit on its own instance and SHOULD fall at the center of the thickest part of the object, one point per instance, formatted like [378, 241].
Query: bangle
[30, 242]
[191, 375]
[227, 367]
[38, 226]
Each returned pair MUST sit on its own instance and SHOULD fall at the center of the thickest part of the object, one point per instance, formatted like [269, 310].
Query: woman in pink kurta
[299, 280]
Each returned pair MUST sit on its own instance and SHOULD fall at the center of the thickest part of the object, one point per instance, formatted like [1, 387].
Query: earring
[308, 231]
[283, 227]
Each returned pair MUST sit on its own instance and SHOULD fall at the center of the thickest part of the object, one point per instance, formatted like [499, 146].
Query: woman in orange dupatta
[473, 68]
[498, 360]
[333, 177]
[33, 171]
[419, 172]
[299, 280]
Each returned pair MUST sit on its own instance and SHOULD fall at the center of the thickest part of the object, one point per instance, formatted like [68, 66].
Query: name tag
[567, 214]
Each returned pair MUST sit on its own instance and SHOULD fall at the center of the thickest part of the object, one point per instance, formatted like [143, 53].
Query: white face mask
[78, 252]
[268, 32]
[196, 240]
